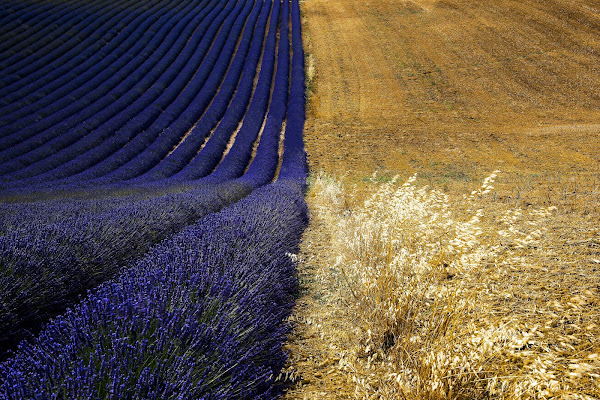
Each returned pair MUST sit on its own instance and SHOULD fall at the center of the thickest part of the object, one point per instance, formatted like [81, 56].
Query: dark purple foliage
[45, 263]
[92, 32]
[201, 316]
[140, 259]
[117, 115]
[49, 93]
[189, 160]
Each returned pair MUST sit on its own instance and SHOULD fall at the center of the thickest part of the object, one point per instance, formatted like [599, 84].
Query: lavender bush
[168, 275]
[201, 316]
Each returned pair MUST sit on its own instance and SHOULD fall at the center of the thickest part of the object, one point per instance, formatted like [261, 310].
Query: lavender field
[152, 178]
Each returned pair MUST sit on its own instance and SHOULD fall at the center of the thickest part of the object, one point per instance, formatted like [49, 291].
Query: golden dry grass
[417, 294]
[452, 90]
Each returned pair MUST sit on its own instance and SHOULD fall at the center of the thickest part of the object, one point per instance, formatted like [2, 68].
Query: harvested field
[453, 90]
[468, 86]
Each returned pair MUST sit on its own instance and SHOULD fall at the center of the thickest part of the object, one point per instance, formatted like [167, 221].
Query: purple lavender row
[12, 9]
[17, 16]
[47, 18]
[194, 158]
[87, 105]
[39, 95]
[133, 114]
[135, 165]
[32, 194]
[143, 119]
[267, 153]
[19, 215]
[44, 70]
[201, 316]
[107, 102]
[263, 166]
[257, 94]
[87, 33]
[49, 206]
[181, 113]
[209, 104]
[294, 164]
[45, 263]
[234, 163]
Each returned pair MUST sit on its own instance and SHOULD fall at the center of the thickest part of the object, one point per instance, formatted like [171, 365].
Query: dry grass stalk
[422, 295]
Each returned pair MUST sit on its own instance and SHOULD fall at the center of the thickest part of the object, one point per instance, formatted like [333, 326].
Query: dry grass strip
[412, 293]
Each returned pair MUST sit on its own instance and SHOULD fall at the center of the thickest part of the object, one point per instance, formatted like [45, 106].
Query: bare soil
[453, 89]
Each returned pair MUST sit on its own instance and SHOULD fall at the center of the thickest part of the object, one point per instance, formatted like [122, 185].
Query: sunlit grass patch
[419, 294]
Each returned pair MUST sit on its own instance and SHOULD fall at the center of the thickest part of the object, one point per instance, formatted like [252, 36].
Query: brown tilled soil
[452, 90]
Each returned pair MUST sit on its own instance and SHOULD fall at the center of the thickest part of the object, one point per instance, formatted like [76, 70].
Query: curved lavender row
[262, 167]
[19, 17]
[294, 164]
[109, 93]
[31, 32]
[12, 9]
[137, 109]
[40, 96]
[15, 216]
[13, 6]
[80, 37]
[17, 12]
[75, 101]
[141, 115]
[42, 18]
[212, 151]
[233, 164]
[267, 156]
[34, 194]
[202, 316]
[183, 112]
[122, 148]
[262, 97]
[46, 264]
[208, 106]
[46, 207]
